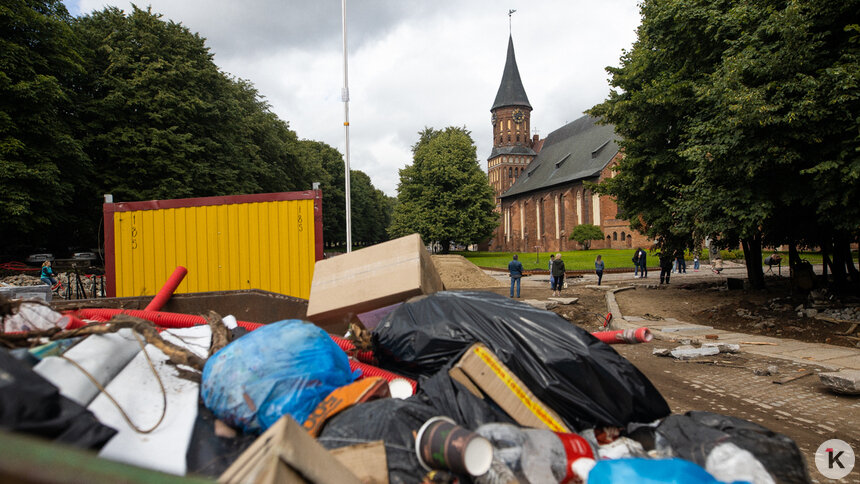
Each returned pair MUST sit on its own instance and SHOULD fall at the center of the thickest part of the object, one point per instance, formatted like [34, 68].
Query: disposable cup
[442, 444]
[400, 388]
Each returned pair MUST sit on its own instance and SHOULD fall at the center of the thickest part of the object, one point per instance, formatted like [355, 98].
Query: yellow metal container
[268, 241]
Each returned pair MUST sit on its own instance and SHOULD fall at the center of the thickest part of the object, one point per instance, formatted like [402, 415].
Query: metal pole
[345, 98]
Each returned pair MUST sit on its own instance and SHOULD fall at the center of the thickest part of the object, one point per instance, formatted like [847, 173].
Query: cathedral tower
[511, 118]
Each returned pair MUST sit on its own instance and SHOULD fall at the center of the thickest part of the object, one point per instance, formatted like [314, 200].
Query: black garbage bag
[31, 405]
[694, 435]
[452, 399]
[209, 454]
[584, 380]
[391, 420]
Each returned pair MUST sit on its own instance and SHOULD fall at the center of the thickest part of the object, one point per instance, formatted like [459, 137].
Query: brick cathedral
[538, 183]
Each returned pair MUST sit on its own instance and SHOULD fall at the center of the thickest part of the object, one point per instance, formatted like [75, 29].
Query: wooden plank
[791, 378]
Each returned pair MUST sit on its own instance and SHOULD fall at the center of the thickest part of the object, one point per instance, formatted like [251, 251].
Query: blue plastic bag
[287, 367]
[649, 471]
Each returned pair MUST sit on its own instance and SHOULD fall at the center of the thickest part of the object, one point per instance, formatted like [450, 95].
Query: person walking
[551, 279]
[696, 261]
[636, 263]
[643, 263]
[515, 267]
[682, 263]
[665, 266]
[47, 274]
[558, 274]
[598, 268]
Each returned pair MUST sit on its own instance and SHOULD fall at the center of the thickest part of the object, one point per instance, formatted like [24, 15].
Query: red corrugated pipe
[167, 289]
[640, 335]
[370, 370]
[349, 348]
[162, 319]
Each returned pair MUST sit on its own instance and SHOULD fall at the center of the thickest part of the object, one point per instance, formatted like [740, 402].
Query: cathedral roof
[511, 90]
[511, 150]
[576, 151]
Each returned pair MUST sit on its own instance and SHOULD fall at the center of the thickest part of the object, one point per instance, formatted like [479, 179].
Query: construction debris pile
[427, 386]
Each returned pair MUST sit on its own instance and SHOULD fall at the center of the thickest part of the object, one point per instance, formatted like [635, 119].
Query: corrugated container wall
[268, 241]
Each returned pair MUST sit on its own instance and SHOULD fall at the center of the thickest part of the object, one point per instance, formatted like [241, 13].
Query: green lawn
[613, 258]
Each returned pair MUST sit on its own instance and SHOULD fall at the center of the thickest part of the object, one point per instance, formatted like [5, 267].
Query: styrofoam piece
[138, 393]
[102, 355]
[230, 321]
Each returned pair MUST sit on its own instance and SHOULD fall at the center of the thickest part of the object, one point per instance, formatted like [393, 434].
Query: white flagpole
[345, 98]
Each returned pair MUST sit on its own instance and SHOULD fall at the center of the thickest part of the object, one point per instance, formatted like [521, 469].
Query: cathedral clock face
[519, 116]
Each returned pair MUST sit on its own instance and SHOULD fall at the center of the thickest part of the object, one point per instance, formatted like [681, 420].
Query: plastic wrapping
[31, 405]
[649, 471]
[582, 379]
[694, 436]
[286, 367]
[390, 420]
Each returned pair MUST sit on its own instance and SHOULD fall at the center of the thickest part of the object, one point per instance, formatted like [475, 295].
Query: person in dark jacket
[558, 274]
[643, 263]
[515, 267]
[598, 269]
[666, 261]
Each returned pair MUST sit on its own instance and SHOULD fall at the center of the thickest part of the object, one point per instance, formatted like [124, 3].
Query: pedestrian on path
[515, 267]
[558, 274]
[636, 262]
[665, 266]
[682, 263]
[598, 268]
[643, 263]
[551, 279]
[696, 262]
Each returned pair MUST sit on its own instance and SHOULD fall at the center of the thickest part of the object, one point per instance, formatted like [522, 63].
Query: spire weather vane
[510, 13]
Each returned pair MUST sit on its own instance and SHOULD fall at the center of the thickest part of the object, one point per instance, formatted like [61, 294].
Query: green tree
[41, 162]
[444, 195]
[731, 111]
[585, 233]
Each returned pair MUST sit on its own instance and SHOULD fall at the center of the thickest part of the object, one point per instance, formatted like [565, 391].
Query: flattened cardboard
[480, 368]
[286, 453]
[371, 278]
[368, 461]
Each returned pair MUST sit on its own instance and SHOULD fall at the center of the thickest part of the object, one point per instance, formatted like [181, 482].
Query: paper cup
[442, 444]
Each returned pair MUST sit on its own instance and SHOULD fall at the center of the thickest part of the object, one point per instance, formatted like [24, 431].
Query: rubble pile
[20, 280]
[430, 386]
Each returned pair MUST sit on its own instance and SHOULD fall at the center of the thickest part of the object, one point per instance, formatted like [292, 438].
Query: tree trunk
[843, 244]
[793, 256]
[838, 266]
[446, 247]
[752, 256]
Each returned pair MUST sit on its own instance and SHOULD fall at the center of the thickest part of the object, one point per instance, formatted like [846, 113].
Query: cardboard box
[370, 278]
[368, 461]
[481, 372]
[287, 454]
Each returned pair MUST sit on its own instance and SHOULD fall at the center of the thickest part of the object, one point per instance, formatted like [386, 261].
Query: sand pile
[459, 273]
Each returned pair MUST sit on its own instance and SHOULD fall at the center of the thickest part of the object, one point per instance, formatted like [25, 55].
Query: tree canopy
[740, 124]
[130, 104]
[444, 195]
[585, 233]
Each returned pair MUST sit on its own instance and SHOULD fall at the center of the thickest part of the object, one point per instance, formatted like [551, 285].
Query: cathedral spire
[511, 90]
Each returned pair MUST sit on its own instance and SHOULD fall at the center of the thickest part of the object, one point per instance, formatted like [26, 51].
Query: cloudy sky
[411, 64]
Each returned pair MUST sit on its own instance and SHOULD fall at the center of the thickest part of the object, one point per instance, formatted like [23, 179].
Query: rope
[118, 407]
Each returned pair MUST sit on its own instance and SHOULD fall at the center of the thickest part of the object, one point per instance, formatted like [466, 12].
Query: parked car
[37, 259]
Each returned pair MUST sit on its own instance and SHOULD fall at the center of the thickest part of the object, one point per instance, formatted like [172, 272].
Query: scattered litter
[846, 382]
[662, 352]
[712, 336]
[769, 371]
[724, 347]
[687, 352]
[759, 343]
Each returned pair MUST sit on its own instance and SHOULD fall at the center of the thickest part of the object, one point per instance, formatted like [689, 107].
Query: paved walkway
[827, 356]
[824, 355]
